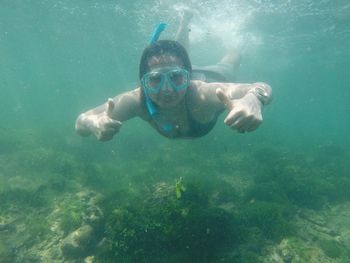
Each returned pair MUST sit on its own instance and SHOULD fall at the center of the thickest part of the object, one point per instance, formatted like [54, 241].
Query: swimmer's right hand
[104, 126]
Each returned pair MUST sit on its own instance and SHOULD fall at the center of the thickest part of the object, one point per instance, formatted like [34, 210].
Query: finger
[224, 98]
[110, 108]
[232, 117]
[253, 126]
[249, 124]
[113, 124]
[245, 122]
[106, 135]
[238, 124]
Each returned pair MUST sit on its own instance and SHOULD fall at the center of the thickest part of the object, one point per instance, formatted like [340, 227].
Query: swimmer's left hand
[244, 114]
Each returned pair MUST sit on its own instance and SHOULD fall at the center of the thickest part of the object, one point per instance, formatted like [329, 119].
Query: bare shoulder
[132, 96]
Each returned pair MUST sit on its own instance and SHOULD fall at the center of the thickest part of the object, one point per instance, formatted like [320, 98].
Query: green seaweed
[179, 188]
[295, 182]
[71, 217]
[162, 226]
[273, 220]
[199, 218]
[331, 248]
[40, 197]
[37, 229]
[268, 192]
[6, 254]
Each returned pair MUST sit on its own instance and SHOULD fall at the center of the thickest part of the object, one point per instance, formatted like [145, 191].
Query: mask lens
[178, 79]
[153, 81]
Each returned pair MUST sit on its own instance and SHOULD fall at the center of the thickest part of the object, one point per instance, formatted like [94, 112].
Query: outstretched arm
[244, 102]
[105, 120]
[233, 91]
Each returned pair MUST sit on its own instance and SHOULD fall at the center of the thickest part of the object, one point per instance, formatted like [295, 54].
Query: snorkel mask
[177, 78]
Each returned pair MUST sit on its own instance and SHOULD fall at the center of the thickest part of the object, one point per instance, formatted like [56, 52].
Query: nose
[167, 87]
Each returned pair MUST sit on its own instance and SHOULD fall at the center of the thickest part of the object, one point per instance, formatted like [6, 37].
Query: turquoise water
[60, 58]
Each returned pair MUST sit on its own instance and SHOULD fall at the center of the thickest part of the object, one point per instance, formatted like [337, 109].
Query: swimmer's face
[167, 81]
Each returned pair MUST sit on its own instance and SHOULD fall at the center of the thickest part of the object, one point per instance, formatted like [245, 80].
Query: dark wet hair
[164, 47]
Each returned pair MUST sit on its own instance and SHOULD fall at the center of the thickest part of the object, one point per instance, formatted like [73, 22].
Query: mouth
[168, 100]
[168, 96]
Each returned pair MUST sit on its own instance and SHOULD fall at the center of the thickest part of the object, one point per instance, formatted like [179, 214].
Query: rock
[89, 259]
[284, 252]
[94, 217]
[79, 242]
[294, 250]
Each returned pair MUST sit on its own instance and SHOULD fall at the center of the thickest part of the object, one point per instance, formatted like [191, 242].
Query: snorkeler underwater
[176, 105]
[224, 126]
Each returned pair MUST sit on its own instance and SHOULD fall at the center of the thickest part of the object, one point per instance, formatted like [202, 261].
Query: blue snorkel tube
[156, 32]
[166, 127]
[154, 38]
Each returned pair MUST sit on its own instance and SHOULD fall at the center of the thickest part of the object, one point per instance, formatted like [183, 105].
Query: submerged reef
[62, 201]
